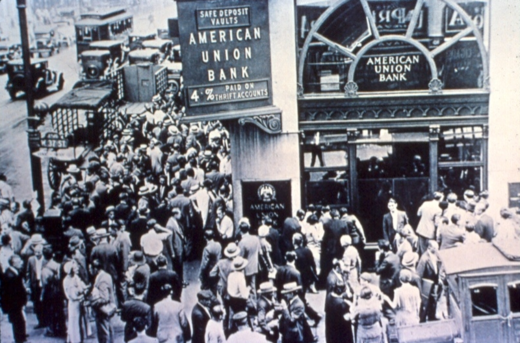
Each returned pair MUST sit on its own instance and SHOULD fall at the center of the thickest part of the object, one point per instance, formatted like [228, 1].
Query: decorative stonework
[435, 86]
[435, 130]
[351, 89]
[270, 123]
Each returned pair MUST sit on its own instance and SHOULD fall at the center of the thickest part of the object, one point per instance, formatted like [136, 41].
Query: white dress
[73, 287]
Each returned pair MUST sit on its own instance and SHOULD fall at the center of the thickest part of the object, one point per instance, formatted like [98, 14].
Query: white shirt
[225, 227]
[237, 286]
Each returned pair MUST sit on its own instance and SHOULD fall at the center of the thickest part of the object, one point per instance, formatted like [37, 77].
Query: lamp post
[33, 135]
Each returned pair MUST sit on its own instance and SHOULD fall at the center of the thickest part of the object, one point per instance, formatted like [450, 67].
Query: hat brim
[264, 291]
[297, 288]
[235, 254]
[242, 267]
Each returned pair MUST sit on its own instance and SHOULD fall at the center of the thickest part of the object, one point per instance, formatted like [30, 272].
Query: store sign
[454, 22]
[262, 199]
[225, 54]
[395, 17]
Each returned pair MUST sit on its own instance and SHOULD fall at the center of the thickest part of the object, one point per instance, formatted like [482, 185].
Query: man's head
[38, 250]
[297, 240]
[217, 313]
[383, 245]
[16, 262]
[433, 247]
[392, 204]
[205, 297]
[300, 214]
[455, 218]
[290, 256]
[95, 267]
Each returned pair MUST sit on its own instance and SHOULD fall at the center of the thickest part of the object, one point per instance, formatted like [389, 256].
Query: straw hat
[266, 287]
[232, 250]
[290, 287]
[239, 263]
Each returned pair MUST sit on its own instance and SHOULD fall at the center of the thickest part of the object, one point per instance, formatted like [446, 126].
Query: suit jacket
[32, 273]
[306, 266]
[286, 274]
[389, 230]
[291, 225]
[210, 256]
[199, 319]
[427, 269]
[13, 293]
[137, 229]
[250, 250]
[107, 255]
[156, 284]
[332, 279]
[331, 237]
[103, 291]
[449, 236]
[428, 211]
[293, 325]
[388, 268]
[485, 227]
[131, 309]
[273, 237]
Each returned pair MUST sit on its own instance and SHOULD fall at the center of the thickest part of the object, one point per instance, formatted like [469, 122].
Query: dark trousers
[17, 320]
[105, 333]
[36, 298]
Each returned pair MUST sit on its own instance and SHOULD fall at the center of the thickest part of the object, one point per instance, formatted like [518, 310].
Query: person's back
[450, 236]
[172, 323]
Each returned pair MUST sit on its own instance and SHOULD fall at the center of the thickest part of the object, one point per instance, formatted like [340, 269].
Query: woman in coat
[74, 290]
[338, 324]
[367, 313]
[407, 301]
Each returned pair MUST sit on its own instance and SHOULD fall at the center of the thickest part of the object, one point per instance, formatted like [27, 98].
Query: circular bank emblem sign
[266, 193]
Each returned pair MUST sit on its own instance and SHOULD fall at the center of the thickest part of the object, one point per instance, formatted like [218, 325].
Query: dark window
[484, 301]
[514, 297]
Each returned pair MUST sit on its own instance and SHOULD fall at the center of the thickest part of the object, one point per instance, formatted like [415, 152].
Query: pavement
[189, 299]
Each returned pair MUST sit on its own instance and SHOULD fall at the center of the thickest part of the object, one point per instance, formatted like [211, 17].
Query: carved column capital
[434, 133]
[270, 123]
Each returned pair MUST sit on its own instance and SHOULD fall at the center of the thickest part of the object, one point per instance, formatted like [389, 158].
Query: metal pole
[33, 135]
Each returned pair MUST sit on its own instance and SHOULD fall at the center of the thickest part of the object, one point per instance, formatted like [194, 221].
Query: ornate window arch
[355, 42]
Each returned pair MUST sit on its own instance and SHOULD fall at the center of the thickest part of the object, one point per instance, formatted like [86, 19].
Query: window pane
[318, 156]
[461, 178]
[329, 187]
[484, 301]
[514, 298]
[459, 146]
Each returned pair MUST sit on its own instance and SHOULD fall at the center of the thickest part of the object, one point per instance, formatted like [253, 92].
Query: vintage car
[114, 47]
[46, 41]
[95, 64]
[174, 70]
[482, 297]
[44, 79]
[165, 46]
[135, 40]
[144, 56]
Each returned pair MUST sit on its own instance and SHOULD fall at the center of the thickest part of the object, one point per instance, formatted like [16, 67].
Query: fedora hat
[232, 250]
[409, 259]
[72, 168]
[266, 287]
[137, 258]
[345, 240]
[36, 239]
[110, 209]
[239, 263]
[100, 233]
[74, 242]
[152, 247]
[145, 190]
[290, 287]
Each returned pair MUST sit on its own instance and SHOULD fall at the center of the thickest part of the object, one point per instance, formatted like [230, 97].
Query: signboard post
[262, 199]
[225, 55]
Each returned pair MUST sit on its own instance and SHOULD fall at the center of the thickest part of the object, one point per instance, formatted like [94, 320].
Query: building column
[434, 157]
[352, 135]
[485, 147]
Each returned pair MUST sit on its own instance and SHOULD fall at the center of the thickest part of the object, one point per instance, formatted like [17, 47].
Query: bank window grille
[161, 80]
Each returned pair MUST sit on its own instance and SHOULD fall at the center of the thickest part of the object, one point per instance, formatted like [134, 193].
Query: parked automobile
[165, 46]
[115, 47]
[144, 56]
[135, 40]
[4, 58]
[95, 63]
[44, 79]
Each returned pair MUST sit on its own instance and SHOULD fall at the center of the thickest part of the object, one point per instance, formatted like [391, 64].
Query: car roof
[143, 53]
[33, 61]
[105, 43]
[92, 53]
[155, 43]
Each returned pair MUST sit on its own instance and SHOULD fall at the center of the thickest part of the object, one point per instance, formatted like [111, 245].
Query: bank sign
[225, 48]
[263, 199]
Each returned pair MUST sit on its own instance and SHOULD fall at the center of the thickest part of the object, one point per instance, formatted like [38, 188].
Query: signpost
[225, 55]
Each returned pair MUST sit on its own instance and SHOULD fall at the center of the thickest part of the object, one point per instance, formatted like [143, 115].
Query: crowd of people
[160, 194]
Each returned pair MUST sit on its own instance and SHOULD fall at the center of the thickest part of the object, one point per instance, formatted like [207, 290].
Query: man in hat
[293, 325]
[200, 315]
[305, 264]
[215, 176]
[337, 273]
[31, 245]
[35, 264]
[158, 279]
[106, 254]
[429, 269]
[14, 297]
[70, 179]
[210, 256]
[268, 311]
[287, 273]
[237, 289]
[244, 332]
[158, 233]
[224, 225]
[137, 227]
[409, 262]
[250, 247]
[428, 212]
[156, 156]
[330, 244]
[101, 298]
